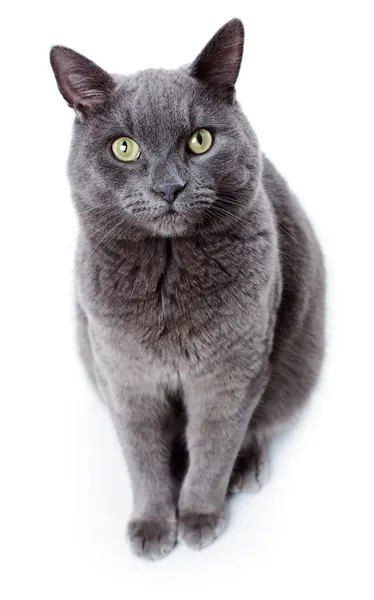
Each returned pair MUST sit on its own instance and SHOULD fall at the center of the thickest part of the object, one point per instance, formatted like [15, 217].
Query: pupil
[124, 147]
[199, 138]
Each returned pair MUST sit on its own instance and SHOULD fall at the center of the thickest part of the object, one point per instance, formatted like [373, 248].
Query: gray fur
[202, 329]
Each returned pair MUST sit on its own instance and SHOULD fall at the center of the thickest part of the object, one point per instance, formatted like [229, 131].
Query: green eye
[125, 149]
[200, 141]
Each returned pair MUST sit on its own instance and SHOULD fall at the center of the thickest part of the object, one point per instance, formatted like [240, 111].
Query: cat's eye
[200, 141]
[125, 149]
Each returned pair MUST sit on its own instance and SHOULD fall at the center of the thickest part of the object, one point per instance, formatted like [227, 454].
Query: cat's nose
[169, 190]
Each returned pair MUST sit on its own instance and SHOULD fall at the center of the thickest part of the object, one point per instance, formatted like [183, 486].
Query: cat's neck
[102, 241]
[153, 249]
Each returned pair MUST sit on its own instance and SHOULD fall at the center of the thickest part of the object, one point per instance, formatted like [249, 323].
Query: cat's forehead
[158, 100]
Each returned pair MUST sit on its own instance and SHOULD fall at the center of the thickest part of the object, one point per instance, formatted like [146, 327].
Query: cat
[200, 285]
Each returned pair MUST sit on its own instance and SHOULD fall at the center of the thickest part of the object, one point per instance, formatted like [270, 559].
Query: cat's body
[204, 332]
[171, 296]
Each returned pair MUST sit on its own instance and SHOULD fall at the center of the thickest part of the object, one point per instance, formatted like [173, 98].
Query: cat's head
[165, 153]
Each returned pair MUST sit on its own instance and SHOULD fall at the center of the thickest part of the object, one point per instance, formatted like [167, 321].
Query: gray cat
[199, 285]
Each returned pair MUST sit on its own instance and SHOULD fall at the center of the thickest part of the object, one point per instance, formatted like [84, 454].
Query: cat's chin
[171, 224]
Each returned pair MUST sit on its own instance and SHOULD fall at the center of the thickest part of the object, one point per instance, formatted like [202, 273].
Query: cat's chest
[157, 289]
[169, 301]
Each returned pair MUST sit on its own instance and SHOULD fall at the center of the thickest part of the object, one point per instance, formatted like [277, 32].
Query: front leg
[141, 421]
[218, 415]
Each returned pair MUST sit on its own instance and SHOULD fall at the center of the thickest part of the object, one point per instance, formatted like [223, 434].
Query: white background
[305, 85]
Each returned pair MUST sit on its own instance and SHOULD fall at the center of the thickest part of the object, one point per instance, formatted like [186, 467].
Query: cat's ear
[85, 86]
[218, 64]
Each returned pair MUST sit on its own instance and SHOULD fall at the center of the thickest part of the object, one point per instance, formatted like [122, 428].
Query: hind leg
[278, 411]
[251, 469]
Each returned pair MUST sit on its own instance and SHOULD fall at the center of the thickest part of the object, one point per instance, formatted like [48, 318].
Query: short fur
[202, 328]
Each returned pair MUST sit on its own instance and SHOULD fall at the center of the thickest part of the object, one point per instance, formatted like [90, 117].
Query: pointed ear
[219, 63]
[83, 84]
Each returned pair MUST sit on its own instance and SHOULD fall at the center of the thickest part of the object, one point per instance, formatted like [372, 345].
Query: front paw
[152, 538]
[199, 530]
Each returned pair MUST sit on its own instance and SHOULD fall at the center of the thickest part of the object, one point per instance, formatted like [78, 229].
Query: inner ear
[85, 86]
[218, 64]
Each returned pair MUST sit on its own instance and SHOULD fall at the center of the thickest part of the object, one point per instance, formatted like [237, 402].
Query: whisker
[282, 227]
